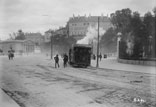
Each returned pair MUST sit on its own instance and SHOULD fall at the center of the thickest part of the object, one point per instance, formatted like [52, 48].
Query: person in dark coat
[11, 54]
[56, 58]
[65, 60]
[94, 57]
[100, 56]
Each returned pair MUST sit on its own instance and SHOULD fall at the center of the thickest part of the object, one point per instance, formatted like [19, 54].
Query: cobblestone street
[32, 81]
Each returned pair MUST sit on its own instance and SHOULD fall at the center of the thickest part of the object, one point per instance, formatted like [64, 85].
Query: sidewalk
[6, 101]
[111, 63]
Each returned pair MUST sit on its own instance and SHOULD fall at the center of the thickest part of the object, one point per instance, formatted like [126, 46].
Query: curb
[137, 62]
[6, 100]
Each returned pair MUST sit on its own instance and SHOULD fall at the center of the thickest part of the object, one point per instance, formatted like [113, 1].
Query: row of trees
[17, 36]
[138, 34]
[61, 44]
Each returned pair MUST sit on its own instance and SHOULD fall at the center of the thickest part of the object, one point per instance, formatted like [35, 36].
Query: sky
[42, 15]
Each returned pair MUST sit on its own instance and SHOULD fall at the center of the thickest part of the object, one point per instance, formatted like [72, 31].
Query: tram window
[89, 51]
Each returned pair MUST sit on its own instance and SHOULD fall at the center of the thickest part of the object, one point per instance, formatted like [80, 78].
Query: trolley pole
[97, 64]
[51, 43]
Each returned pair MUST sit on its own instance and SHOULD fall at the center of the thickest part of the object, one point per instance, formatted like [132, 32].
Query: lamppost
[97, 64]
[51, 36]
[51, 44]
[150, 45]
[118, 43]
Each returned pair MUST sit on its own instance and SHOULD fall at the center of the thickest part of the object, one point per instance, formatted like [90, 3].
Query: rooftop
[14, 41]
[88, 19]
[82, 45]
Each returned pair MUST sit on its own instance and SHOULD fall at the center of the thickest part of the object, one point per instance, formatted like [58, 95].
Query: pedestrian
[100, 56]
[94, 57]
[65, 60]
[11, 54]
[56, 58]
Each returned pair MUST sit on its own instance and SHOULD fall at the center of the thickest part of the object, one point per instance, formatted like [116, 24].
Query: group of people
[99, 56]
[65, 60]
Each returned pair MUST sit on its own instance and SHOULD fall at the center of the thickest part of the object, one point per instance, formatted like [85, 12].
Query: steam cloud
[91, 35]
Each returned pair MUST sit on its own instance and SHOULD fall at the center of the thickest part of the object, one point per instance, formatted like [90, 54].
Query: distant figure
[56, 58]
[105, 56]
[65, 60]
[11, 54]
[100, 56]
[94, 57]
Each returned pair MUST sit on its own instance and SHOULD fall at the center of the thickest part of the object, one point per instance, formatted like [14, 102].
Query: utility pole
[51, 43]
[97, 64]
[118, 44]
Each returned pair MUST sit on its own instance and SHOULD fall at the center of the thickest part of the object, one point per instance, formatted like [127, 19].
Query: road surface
[32, 81]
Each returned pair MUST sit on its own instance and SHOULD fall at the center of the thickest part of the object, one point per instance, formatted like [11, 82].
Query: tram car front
[80, 55]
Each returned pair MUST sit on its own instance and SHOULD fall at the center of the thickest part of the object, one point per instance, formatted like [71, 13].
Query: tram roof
[82, 45]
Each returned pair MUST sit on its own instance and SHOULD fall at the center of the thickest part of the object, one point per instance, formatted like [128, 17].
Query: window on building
[74, 24]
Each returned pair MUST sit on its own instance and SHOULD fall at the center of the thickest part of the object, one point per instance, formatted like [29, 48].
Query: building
[62, 31]
[37, 38]
[19, 46]
[77, 26]
[47, 35]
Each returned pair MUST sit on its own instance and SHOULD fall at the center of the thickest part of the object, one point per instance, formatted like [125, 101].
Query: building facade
[37, 38]
[62, 31]
[47, 35]
[19, 46]
[78, 26]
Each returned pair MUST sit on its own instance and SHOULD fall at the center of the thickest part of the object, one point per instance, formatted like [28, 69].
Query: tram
[80, 55]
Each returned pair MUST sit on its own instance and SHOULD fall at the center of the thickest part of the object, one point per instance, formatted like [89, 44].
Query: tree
[121, 20]
[138, 28]
[154, 11]
[63, 40]
[134, 29]
[154, 37]
[149, 27]
[149, 23]
[20, 35]
[61, 43]
[108, 40]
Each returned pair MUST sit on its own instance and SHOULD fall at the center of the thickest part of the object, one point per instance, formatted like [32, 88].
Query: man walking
[56, 58]
[65, 60]
[100, 56]
[11, 54]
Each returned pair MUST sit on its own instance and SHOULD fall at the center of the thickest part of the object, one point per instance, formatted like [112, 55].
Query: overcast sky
[41, 15]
